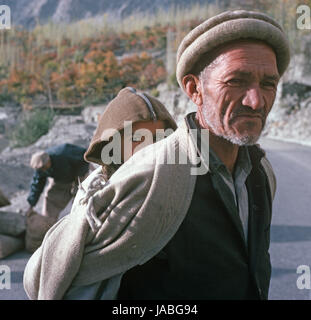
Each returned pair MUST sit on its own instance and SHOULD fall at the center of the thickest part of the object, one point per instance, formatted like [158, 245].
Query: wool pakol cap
[129, 105]
[39, 160]
[226, 27]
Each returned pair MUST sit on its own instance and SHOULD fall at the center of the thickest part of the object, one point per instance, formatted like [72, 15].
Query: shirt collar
[201, 144]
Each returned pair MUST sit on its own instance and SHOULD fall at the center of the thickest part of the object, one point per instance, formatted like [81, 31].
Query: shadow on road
[277, 272]
[17, 276]
[280, 233]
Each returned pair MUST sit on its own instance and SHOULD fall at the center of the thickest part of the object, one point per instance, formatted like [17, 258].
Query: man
[234, 86]
[185, 236]
[61, 165]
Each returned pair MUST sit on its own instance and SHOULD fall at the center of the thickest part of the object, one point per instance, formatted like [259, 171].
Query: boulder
[300, 69]
[36, 228]
[90, 114]
[176, 101]
[294, 93]
[4, 201]
[10, 245]
[12, 224]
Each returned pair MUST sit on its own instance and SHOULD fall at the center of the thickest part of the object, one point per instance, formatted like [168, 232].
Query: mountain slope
[27, 12]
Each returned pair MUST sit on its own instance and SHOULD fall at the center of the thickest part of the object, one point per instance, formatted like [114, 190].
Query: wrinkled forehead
[245, 51]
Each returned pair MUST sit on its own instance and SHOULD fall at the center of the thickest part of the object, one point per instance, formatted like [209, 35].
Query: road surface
[291, 223]
[290, 232]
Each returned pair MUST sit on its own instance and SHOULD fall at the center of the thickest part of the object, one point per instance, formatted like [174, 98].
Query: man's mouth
[247, 116]
[247, 112]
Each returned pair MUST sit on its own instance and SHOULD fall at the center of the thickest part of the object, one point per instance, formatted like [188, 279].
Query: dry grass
[105, 24]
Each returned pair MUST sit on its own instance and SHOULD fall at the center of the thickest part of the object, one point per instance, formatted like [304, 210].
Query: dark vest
[207, 258]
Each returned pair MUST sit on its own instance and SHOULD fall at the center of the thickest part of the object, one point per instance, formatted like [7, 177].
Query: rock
[294, 126]
[15, 177]
[10, 245]
[4, 142]
[9, 117]
[176, 101]
[3, 120]
[12, 224]
[300, 69]
[293, 93]
[67, 129]
[91, 114]
[4, 201]
[36, 228]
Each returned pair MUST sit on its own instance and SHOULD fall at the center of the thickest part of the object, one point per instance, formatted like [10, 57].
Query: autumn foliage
[77, 68]
[91, 71]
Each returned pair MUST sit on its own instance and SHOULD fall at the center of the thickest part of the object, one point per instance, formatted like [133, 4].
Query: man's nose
[253, 98]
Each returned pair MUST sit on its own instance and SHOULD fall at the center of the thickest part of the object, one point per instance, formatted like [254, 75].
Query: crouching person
[61, 166]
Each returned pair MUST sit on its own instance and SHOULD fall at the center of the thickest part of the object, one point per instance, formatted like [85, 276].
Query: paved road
[291, 223]
[17, 263]
[290, 231]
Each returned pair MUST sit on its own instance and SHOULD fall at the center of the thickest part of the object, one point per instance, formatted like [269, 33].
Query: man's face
[238, 90]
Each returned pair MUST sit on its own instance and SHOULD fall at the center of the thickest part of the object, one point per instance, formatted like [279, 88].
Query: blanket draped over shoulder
[122, 223]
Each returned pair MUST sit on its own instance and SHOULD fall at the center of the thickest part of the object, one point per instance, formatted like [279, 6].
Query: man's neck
[226, 151]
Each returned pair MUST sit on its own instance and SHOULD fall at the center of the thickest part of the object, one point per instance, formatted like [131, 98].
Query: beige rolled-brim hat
[226, 27]
[39, 160]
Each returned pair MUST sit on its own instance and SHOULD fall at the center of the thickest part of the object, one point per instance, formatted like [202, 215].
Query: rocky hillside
[15, 172]
[290, 118]
[27, 12]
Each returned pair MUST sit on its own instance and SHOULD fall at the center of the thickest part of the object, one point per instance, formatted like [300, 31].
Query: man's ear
[192, 87]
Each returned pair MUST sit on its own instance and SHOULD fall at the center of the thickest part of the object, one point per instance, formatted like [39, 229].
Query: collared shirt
[235, 182]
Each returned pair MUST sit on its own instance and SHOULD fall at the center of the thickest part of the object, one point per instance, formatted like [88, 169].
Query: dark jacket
[67, 164]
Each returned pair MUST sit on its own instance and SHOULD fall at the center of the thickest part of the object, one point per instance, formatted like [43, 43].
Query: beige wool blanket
[116, 225]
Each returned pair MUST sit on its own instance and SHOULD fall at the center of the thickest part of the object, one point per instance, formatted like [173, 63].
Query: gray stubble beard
[245, 140]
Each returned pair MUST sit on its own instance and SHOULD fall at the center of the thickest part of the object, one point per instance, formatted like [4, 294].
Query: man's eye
[236, 82]
[269, 84]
